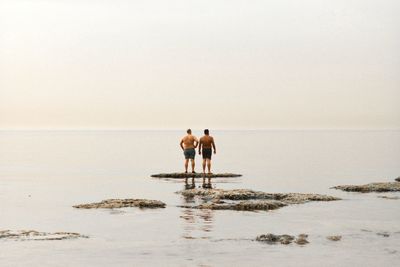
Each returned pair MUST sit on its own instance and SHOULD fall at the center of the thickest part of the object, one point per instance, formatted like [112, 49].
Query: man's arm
[213, 145]
[196, 142]
[200, 145]
[181, 144]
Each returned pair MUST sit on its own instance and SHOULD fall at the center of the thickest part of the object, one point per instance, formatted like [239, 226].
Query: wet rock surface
[242, 205]
[245, 199]
[334, 237]
[372, 187]
[122, 203]
[282, 239]
[181, 175]
[32, 235]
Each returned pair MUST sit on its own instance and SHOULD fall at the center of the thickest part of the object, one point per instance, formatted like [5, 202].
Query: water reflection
[198, 223]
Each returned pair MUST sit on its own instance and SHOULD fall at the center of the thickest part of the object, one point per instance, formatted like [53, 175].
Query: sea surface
[44, 173]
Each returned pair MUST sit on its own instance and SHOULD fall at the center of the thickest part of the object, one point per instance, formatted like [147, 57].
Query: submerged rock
[372, 187]
[181, 175]
[122, 203]
[384, 234]
[26, 235]
[334, 237]
[301, 240]
[283, 239]
[244, 199]
[389, 197]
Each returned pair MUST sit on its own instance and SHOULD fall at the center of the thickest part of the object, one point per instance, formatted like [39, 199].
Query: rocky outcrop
[372, 187]
[122, 203]
[26, 235]
[282, 239]
[398, 179]
[247, 194]
[334, 237]
[242, 205]
[245, 199]
[180, 175]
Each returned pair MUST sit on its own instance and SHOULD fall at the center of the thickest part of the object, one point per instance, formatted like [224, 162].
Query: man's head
[206, 132]
[189, 131]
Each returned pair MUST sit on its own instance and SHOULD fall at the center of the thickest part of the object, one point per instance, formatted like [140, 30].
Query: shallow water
[44, 173]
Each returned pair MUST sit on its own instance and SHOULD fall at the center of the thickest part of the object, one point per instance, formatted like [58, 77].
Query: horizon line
[196, 129]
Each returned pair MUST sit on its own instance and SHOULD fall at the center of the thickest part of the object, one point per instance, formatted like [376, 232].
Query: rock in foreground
[27, 235]
[181, 175]
[372, 187]
[122, 203]
[244, 199]
[283, 239]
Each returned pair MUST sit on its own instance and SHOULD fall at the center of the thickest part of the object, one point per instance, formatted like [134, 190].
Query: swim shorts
[189, 153]
[206, 153]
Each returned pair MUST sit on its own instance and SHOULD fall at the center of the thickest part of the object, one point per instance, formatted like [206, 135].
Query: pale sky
[232, 64]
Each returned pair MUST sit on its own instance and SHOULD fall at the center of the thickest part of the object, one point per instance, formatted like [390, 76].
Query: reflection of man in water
[188, 145]
[205, 147]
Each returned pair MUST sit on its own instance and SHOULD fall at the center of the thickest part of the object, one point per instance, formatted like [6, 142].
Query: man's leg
[204, 165]
[186, 164]
[209, 165]
[192, 160]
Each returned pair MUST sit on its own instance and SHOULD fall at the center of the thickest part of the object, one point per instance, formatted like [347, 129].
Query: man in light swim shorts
[188, 145]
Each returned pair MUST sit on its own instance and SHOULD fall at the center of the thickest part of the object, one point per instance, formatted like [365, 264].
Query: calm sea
[44, 173]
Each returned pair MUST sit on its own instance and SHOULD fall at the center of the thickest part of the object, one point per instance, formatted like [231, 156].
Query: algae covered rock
[274, 239]
[122, 203]
[32, 235]
[372, 187]
[242, 205]
[181, 175]
[282, 239]
[246, 194]
[245, 199]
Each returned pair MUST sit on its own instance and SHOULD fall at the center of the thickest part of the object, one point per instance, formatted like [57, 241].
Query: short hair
[206, 131]
[189, 131]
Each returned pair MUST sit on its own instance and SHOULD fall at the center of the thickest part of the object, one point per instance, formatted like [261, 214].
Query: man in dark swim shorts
[206, 146]
[188, 145]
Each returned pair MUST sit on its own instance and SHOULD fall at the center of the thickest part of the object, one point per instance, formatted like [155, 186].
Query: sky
[218, 64]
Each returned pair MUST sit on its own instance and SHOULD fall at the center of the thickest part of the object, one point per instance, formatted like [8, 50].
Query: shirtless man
[206, 143]
[188, 145]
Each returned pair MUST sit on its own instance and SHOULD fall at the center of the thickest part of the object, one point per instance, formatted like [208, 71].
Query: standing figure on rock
[205, 147]
[188, 145]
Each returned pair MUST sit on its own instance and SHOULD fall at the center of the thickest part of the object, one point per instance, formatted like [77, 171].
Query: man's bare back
[207, 141]
[189, 141]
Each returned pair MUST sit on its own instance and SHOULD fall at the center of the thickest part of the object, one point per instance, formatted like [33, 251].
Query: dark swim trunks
[206, 153]
[189, 153]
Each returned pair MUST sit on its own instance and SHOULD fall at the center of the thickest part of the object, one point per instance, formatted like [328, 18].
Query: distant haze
[200, 63]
